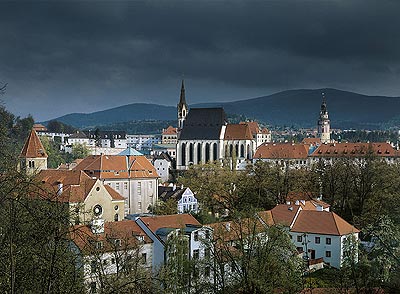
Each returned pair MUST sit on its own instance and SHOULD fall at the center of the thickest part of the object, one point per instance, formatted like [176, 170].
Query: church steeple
[324, 131]
[182, 108]
[33, 157]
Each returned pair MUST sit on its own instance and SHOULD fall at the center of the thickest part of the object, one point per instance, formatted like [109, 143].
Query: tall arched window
[198, 152]
[207, 152]
[191, 151]
[183, 154]
[242, 150]
[215, 152]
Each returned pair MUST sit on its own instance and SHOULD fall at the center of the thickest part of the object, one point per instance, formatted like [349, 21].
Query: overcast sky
[83, 56]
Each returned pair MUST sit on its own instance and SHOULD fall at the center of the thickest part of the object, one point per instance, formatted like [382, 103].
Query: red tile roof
[238, 132]
[284, 214]
[39, 127]
[174, 221]
[126, 230]
[355, 150]
[169, 131]
[312, 141]
[117, 167]
[253, 125]
[282, 151]
[322, 222]
[76, 185]
[33, 147]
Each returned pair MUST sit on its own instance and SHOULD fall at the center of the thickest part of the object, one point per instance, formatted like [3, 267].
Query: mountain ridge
[297, 107]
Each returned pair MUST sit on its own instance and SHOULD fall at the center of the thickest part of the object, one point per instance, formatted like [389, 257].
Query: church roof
[203, 124]
[238, 132]
[282, 151]
[33, 147]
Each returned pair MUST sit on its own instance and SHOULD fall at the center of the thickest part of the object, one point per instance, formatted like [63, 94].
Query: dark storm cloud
[91, 55]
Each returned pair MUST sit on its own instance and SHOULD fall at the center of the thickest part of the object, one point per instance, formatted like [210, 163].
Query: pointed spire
[33, 147]
[182, 99]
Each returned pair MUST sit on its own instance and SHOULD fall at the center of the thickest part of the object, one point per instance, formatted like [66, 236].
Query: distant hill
[294, 107]
[121, 114]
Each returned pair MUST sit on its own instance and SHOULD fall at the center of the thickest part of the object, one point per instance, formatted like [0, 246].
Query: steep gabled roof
[203, 124]
[238, 132]
[76, 185]
[33, 147]
[322, 222]
[282, 151]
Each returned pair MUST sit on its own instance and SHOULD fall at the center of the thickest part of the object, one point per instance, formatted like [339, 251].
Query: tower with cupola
[324, 124]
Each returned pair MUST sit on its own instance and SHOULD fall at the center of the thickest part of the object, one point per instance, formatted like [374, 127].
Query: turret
[33, 157]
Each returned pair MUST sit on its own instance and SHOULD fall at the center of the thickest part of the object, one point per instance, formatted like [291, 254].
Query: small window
[328, 254]
[97, 189]
[207, 234]
[116, 217]
[196, 254]
[317, 240]
[93, 288]
[328, 241]
[117, 186]
[139, 205]
[99, 245]
[207, 271]
[196, 236]
[144, 258]
[299, 239]
[125, 186]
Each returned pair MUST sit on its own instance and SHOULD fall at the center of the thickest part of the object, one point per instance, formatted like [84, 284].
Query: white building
[105, 249]
[316, 232]
[161, 229]
[140, 142]
[163, 164]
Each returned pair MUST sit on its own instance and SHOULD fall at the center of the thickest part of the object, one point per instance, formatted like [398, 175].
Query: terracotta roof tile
[253, 125]
[126, 230]
[175, 221]
[322, 222]
[312, 141]
[117, 167]
[76, 185]
[282, 151]
[238, 132]
[170, 131]
[284, 214]
[33, 147]
[39, 128]
[355, 150]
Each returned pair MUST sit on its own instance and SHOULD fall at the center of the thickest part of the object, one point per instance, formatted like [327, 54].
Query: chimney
[59, 188]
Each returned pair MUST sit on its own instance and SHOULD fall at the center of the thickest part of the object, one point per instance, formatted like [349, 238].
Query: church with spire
[324, 124]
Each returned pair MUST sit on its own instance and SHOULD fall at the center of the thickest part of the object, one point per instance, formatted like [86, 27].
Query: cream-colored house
[129, 173]
[88, 199]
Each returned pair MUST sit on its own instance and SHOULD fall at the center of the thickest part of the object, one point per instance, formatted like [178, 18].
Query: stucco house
[130, 173]
[87, 198]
